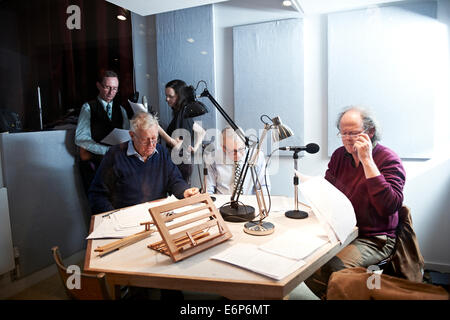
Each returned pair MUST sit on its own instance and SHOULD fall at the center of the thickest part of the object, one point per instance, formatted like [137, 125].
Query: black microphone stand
[296, 213]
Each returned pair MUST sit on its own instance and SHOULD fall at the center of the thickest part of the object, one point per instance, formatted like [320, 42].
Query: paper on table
[107, 229]
[283, 203]
[117, 136]
[137, 107]
[330, 205]
[295, 244]
[126, 222]
[249, 257]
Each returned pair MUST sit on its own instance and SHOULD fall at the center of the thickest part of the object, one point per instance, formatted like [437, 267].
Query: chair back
[407, 261]
[92, 286]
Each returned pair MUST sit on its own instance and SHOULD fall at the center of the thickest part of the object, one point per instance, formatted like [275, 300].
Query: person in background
[372, 177]
[176, 97]
[137, 171]
[225, 165]
[97, 119]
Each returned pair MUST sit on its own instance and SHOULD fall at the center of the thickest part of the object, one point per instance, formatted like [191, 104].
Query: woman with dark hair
[180, 130]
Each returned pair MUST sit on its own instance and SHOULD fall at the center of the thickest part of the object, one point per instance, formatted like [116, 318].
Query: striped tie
[237, 173]
[109, 110]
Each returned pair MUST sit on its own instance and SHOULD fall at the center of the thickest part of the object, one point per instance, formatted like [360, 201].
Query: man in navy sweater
[137, 171]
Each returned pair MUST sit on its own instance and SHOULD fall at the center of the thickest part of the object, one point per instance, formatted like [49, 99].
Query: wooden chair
[92, 286]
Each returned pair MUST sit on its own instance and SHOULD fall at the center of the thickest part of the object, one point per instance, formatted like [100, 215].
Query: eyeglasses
[240, 150]
[351, 135]
[147, 141]
[108, 88]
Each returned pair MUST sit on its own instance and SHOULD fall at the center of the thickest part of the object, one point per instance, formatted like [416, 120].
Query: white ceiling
[149, 7]
[326, 6]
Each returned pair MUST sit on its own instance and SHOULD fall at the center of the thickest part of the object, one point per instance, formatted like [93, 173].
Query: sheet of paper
[330, 205]
[137, 107]
[126, 222]
[284, 204]
[249, 257]
[295, 244]
[117, 136]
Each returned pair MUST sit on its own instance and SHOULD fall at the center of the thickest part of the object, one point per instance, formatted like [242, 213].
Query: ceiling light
[122, 15]
[287, 3]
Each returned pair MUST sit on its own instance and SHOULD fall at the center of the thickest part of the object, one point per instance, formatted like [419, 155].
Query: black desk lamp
[236, 211]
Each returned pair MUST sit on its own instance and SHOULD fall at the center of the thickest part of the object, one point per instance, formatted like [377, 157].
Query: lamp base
[296, 214]
[259, 228]
[237, 213]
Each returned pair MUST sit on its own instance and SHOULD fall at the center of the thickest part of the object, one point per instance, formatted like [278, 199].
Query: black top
[101, 126]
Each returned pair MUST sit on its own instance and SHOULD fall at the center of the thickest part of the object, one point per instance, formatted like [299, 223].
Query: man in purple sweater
[137, 171]
[372, 177]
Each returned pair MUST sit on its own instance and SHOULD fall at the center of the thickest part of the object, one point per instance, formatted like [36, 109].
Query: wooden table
[137, 265]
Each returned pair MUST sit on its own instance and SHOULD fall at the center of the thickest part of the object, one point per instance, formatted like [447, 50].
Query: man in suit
[97, 119]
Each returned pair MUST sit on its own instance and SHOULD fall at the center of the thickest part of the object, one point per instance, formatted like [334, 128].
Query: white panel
[268, 76]
[185, 50]
[6, 245]
[47, 204]
[388, 59]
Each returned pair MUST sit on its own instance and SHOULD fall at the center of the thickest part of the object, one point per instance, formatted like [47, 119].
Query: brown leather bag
[357, 284]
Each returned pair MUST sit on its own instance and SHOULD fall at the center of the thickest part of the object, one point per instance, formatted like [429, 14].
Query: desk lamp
[279, 132]
[236, 211]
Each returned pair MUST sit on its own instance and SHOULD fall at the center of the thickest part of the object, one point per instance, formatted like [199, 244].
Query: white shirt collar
[131, 151]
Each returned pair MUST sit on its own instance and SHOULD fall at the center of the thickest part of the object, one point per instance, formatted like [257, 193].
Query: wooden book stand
[188, 232]
[116, 245]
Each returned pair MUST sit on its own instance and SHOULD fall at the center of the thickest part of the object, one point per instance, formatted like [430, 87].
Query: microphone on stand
[310, 148]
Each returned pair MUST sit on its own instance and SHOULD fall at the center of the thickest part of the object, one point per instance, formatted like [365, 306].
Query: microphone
[310, 148]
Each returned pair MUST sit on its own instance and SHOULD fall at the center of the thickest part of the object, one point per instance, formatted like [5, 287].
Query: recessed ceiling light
[204, 52]
[287, 3]
[122, 14]
[190, 40]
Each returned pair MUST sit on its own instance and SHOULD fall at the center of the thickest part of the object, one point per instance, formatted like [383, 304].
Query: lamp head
[280, 131]
[193, 107]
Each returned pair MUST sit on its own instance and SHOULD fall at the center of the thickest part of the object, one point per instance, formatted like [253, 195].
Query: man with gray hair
[372, 177]
[137, 171]
[225, 166]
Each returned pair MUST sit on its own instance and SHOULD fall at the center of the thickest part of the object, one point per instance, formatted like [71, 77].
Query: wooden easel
[191, 231]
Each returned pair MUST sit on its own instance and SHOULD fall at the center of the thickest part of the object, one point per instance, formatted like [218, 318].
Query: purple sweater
[376, 200]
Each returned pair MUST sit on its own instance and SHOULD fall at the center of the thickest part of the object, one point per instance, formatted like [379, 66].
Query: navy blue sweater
[123, 181]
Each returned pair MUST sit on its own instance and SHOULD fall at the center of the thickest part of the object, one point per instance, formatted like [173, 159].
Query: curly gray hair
[143, 120]
[369, 121]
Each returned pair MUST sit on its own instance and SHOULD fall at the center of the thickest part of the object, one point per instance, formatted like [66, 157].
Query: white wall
[428, 182]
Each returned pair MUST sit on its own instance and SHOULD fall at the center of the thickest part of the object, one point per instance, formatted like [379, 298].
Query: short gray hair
[143, 120]
[369, 121]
